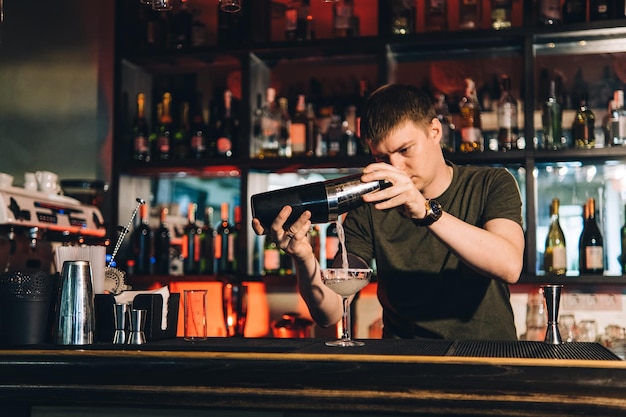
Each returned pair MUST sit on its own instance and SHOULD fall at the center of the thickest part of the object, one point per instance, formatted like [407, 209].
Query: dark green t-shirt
[424, 289]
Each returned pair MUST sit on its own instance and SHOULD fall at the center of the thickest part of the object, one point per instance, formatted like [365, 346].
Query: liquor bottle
[298, 128]
[311, 130]
[257, 132]
[140, 132]
[284, 138]
[470, 14]
[350, 141]
[602, 9]
[180, 145]
[198, 132]
[192, 234]
[591, 247]
[436, 15]
[575, 11]
[143, 243]
[584, 126]
[622, 257]
[226, 127]
[164, 129]
[298, 21]
[315, 241]
[207, 257]
[334, 136]
[617, 120]
[471, 126]
[549, 12]
[271, 257]
[345, 24]
[270, 126]
[162, 239]
[555, 254]
[508, 134]
[224, 243]
[403, 16]
[447, 127]
[332, 244]
[552, 119]
[501, 12]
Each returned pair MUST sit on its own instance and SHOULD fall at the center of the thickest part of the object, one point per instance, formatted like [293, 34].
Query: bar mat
[528, 349]
[385, 347]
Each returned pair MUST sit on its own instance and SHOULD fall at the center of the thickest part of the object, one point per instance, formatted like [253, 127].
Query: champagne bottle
[162, 240]
[508, 134]
[207, 262]
[436, 18]
[470, 14]
[192, 234]
[501, 12]
[447, 127]
[555, 254]
[298, 128]
[332, 244]
[224, 243]
[591, 246]
[143, 243]
[583, 127]
[622, 257]
[140, 132]
[549, 12]
[551, 117]
[271, 257]
[226, 128]
[471, 126]
[164, 129]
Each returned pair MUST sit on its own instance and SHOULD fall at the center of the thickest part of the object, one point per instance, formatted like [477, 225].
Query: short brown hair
[392, 105]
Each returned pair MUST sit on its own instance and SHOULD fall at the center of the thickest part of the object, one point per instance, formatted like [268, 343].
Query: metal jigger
[120, 314]
[137, 322]
[552, 294]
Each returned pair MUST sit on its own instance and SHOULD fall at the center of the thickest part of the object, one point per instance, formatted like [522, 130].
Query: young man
[447, 239]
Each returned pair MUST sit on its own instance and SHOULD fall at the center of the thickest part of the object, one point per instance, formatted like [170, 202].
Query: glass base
[344, 343]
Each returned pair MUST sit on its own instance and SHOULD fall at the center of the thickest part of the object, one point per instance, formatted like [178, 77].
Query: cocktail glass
[346, 282]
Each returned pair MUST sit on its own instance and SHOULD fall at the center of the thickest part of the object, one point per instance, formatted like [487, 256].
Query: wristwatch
[433, 213]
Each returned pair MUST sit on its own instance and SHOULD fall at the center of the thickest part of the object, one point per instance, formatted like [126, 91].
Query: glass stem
[345, 320]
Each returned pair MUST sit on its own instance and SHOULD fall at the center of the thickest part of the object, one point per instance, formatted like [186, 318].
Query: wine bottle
[445, 118]
[617, 120]
[192, 234]
[436, 15]
[501, 12]
[403, 13]
[284, 138]
[140, 132]
[350, 141]
[164, 129]
[226, 128]
[143, 243]
[198, 132]
[622, 257]
[224, 243]
[508, 133]
[551, 117]
[298, 128]
[591, 246]
[470, 14]
[471, 126]
[555, 254]
[207, 260]
[271, 257]
[162, 240]
[583, 127]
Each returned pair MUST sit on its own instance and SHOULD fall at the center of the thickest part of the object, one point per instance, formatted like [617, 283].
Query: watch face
[436, 208]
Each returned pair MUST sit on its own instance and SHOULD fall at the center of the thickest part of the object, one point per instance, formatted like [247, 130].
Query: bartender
[447, 239]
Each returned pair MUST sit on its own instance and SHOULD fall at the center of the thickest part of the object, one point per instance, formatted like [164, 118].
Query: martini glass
[346, 282]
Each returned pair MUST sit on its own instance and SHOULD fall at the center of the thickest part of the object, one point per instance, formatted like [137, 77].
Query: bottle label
[141, 144]
[163, 144]
[470, 134]
[559, 257]
[297, 132]
[271, 260]
[224, 145]
[595, 257]
[197, 143]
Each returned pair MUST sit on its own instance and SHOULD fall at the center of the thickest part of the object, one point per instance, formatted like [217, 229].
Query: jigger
[552, 294]
[137, 322]
[120, 315]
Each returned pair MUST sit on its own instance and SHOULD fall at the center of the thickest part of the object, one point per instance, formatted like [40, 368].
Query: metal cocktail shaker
[75, 321]
[326, 200]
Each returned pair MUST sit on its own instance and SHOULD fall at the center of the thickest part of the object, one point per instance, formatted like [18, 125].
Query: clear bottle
[298, 128]
[501, 12]
[617, 120]
[436, 18]
[508, 133]
[470, 14]
[270, 126]
[226, 128]
[444, 116]
[555, 254]
[403, 16]
[143, 240]
[162, 239]
[140, 132]
[552, 120]
[591, 246]
[350, 141]
[471, 126]
[225, 243]
[284, 138]
[192, 236]
[271, 257]
[164, 129]
[583, 127]
[207, 257]
[549, 12]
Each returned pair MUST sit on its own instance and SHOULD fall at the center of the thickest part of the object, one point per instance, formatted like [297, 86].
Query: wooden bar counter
[304, 377]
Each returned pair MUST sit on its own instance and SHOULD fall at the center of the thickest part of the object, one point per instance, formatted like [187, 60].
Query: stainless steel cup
[120, 316]
[75, 321]
[137, 323]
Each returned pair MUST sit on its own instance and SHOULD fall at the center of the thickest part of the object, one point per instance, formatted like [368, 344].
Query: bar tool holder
[552, 295]
[120, 316]
[137, 323]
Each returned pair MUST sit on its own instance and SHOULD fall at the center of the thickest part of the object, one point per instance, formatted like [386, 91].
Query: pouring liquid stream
[342, 245]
